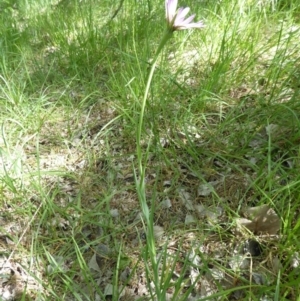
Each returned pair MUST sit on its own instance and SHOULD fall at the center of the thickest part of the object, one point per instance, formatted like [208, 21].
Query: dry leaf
[158, 232]
[189, 219]
[207, 188]
[260, 219]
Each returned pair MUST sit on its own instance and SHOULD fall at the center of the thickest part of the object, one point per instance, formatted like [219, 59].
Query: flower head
[175, 18]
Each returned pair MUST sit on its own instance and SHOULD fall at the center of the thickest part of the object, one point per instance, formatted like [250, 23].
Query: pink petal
[171, 6]
[175, 18]
[192, 25]
[198, 24]
[188, 20]
[182, 12]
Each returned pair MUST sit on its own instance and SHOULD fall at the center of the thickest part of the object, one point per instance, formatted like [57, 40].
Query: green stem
[142, 168]
[166, 37]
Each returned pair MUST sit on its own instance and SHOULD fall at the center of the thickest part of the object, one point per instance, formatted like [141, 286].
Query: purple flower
[175, 18]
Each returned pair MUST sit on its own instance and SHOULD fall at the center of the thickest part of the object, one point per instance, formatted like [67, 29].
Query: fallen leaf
[207, 188]
[189, 219]
[261, 219]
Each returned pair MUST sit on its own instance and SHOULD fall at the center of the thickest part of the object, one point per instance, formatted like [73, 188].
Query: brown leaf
[260, 219]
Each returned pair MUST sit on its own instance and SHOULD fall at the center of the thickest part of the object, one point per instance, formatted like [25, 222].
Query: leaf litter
[188, 220]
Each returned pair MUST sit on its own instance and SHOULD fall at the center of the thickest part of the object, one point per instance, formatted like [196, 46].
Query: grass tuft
[219, 134]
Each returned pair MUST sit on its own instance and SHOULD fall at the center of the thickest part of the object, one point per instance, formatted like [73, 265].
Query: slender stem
[166, 37]
[142, 168]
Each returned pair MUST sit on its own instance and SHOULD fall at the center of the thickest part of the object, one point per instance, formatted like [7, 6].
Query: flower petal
[188, 20]
[171, 6]
[197, 25]
[182, 12]
[175, 18]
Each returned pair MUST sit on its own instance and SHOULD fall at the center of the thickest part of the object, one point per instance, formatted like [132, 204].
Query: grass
[220, 134]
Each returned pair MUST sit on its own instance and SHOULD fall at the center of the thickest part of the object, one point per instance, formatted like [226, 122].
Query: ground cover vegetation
[219, 148]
